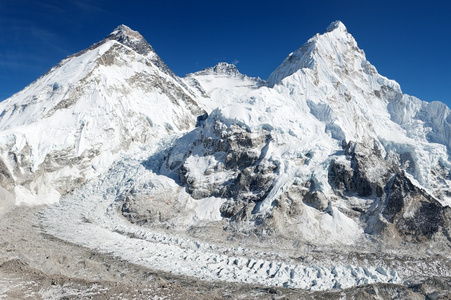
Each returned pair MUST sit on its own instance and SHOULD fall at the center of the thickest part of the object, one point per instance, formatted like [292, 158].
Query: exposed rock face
[411, 213]
[364, 172]
[159, 207]
[233, 165]
[130, 38]
[400, 207]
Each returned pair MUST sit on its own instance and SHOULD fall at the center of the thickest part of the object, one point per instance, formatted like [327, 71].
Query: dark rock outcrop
[414, 213]
[409, 212]
[238, 169]
[353, 176]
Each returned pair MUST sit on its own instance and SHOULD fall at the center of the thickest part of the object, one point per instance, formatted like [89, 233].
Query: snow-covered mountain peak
[134, 40]
[221, 68]
[221, 85]
[124, 29]
[87, 110]
[336, 25]
[130, 38]
[333, 54]
[331, 51]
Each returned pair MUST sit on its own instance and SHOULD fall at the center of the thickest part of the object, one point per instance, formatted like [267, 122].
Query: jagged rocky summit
[326, 149]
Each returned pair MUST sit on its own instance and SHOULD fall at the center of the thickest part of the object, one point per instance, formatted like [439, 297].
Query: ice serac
[74, 121]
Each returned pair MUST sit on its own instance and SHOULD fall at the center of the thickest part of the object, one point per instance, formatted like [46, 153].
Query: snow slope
[70, 124]
[221, 85]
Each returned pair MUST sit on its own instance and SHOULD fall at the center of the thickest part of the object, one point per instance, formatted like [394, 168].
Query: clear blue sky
[409, 41]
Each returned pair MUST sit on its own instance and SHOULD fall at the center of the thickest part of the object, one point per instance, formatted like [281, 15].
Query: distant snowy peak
[335, 50]
[221, 68]
[221, 85]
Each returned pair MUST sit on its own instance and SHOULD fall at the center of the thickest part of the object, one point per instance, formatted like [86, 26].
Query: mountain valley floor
[35, 265]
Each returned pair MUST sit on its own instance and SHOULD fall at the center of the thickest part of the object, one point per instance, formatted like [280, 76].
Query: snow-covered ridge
[221, 68]
[221, 85]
